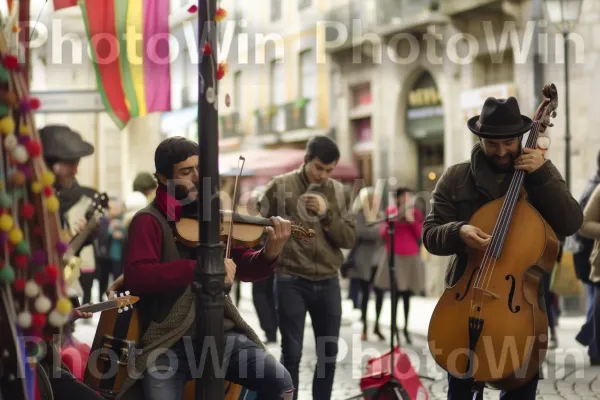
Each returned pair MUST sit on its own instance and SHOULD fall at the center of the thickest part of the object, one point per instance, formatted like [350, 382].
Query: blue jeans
[323, 301]
[459, 389]
[245, 364]
[587, 334]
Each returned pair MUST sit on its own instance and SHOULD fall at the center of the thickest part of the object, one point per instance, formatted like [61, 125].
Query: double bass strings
[502, 226]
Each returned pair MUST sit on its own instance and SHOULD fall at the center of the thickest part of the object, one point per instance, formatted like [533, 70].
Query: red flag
[58, 4]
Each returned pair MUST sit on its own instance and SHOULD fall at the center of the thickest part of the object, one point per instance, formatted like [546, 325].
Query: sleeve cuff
[542, 175]
[455, 233]
[263, 258]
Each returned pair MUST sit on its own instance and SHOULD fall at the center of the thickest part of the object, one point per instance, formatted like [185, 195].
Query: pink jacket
[407, 234]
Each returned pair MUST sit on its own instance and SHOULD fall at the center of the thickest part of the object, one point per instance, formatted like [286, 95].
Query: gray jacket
[370, 248]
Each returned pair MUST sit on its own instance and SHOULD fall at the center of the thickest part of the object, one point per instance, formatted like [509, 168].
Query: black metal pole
[209, 276]
[567, 128]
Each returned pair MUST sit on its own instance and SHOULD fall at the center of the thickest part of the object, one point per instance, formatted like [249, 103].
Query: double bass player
[466, 187]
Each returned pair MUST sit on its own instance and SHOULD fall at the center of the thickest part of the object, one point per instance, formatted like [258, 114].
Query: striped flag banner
[129, 41]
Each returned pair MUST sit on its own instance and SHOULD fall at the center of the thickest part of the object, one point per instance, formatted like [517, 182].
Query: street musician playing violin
[466, 187]
[160, 270]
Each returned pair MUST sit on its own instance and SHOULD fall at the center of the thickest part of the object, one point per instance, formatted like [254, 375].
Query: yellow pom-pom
[7, 125]
[24, 129]
[6, 222]
[36, 187]
[52, 204]
[15, 235]
[64, 306]
[48, 178]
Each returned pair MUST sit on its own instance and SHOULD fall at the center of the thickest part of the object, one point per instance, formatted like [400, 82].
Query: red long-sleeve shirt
[145, 274]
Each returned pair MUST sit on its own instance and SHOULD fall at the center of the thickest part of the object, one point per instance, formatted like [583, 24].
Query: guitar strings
[502, 225]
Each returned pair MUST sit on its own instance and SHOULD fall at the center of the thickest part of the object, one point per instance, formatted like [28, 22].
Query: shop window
[361, 95]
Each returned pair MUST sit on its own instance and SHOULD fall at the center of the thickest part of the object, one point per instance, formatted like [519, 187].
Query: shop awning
[270, 162]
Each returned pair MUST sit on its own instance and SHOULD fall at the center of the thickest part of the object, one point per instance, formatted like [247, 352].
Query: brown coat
[466, 187]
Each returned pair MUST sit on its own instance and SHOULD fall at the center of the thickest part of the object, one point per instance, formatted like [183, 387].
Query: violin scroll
[301, 232]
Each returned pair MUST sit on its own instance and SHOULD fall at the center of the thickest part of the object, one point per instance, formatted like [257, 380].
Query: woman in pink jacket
[408, 229]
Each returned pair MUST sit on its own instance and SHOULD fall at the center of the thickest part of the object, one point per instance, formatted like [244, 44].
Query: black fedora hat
[500, 119]
[61, 143]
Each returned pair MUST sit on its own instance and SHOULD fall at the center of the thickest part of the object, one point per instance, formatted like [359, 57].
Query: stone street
[567, 372]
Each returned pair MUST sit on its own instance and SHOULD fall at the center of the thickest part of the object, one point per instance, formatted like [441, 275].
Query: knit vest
[166, 318]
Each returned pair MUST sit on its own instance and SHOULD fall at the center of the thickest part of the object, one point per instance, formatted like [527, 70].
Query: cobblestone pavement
[567, 372]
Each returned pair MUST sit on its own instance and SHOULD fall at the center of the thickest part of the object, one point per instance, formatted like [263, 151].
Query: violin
[247, 229]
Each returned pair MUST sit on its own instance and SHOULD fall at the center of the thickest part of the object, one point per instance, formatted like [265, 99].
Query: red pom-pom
[39, 278]
[48, 191]
[207, 50]
[21, 261]
[27, 210]
[35, 103]
[19, 285]
[38, 320]
[34, 148]
[52, 273]
[193, 8]
[37, 231]
[10, 62]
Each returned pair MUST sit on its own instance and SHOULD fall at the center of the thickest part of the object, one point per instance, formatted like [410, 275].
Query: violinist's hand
[229, 272]
[278, 236]
[530, 160]
[474, 237]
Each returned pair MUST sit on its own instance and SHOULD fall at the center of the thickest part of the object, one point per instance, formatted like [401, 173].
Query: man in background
[308, 273]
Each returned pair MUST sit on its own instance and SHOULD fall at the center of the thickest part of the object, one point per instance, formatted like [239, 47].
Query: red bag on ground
[378, 375]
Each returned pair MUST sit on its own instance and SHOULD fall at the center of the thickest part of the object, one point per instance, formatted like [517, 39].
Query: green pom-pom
[7, 274]
[18, 193]
[3, 109]
[4, 74]
[5, 200]
[23, 247]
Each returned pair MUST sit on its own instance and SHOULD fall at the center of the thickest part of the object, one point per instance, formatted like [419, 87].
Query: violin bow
[233, 207]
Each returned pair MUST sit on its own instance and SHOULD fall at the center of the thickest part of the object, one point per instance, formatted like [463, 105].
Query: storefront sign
[425, 112]
[472, 100]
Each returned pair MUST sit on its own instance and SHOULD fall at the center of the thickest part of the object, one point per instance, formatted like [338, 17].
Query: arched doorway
[425, 125]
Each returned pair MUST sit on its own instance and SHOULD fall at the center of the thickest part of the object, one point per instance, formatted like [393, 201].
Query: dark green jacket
[466, 187]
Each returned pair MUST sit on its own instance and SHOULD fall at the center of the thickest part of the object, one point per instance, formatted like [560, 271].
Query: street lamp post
[565, 15]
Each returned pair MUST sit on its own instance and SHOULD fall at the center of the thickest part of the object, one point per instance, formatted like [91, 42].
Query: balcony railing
[297, 115]
[230, 125]
[370, 15]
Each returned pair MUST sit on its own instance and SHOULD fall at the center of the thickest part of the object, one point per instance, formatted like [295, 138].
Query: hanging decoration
[33, 294]
[130, 85]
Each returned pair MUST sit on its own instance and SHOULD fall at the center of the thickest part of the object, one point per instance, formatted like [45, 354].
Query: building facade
[413, 72]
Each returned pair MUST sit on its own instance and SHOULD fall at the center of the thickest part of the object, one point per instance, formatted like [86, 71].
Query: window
[302, 4]
[276, 9]
[361, 95]
[308, 85]
[278, 95]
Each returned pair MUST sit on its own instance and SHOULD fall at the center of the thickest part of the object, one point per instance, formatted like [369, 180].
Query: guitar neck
[94, 308]
[80, 239]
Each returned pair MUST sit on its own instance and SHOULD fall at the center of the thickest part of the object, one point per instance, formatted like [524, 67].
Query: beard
[501, 164]
[188, 198]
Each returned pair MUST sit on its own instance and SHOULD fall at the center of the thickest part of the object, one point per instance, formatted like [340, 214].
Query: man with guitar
[159, 269]
[466, 187]
[63, 150]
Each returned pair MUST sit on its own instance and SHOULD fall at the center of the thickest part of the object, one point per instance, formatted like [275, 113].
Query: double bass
[492, 326]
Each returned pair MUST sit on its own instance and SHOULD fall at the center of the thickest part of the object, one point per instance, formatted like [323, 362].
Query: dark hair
[144, 182]
[323, 148]
[401, 190]
[172, 151]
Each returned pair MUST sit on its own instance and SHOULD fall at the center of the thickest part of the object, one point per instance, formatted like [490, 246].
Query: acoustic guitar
[94, 212]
